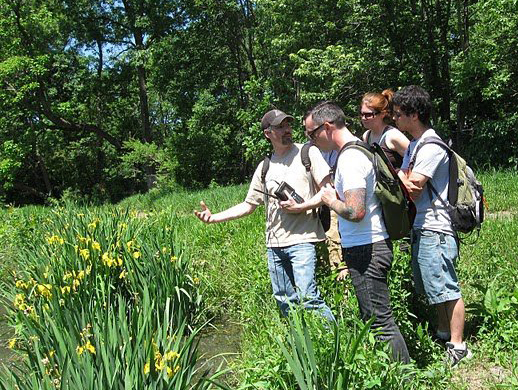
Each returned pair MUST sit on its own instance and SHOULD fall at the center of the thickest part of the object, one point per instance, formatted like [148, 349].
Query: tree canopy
[105, 98]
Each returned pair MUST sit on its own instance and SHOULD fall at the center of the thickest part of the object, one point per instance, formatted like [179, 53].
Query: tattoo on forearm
[353, 206]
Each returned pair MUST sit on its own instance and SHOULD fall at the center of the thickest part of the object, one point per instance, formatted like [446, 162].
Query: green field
[219, 274]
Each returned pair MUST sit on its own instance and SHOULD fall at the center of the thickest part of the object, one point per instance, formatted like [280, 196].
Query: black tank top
[394, 157]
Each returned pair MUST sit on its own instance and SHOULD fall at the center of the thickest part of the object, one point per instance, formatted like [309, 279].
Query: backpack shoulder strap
[306, 161]
[304, 156]
[452, 170]
[360, 145]
[383, 136]
[426, 141]
[363, 146]
[368, 137]
[264, 170]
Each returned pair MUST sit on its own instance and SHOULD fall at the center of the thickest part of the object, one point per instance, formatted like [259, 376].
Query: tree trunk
[144, 105]
[44, 173]
[147, 135]
[462, 26]
[41, 164]
[442, 17]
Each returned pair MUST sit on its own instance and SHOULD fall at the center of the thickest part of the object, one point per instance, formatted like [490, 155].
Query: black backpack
[323, 212]
[397, 208]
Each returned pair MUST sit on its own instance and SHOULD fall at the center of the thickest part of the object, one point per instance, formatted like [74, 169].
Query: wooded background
[100, 98]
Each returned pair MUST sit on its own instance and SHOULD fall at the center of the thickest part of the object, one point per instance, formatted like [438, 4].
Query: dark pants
[368, 266]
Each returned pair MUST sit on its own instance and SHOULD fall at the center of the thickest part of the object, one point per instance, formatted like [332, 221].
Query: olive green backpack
[398, 209]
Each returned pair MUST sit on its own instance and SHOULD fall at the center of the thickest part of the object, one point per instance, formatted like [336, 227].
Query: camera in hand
[285, 187]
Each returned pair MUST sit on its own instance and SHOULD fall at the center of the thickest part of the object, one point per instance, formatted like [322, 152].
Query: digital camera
[286, 188]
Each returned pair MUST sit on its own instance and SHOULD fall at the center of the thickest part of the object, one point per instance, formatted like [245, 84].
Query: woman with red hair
[376, 117]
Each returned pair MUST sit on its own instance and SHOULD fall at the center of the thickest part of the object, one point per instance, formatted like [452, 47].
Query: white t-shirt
[355, 170]
[432, 161]
[283, 228]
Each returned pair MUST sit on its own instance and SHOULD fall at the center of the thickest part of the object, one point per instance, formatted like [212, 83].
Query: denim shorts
[434, 256]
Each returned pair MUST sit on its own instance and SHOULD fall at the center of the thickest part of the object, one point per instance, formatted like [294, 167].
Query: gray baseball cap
[274, 118]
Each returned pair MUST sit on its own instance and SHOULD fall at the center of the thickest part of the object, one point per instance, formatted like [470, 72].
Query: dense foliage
[104, 98]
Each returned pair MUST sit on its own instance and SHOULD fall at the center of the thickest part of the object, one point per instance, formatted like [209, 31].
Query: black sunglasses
[313, 133]
[368, 115]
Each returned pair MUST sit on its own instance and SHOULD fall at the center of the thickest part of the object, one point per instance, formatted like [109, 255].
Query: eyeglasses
[368, 115]
[282, 126]
[313, 133]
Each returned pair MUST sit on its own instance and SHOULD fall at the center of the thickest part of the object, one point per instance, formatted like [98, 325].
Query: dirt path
[480, 375]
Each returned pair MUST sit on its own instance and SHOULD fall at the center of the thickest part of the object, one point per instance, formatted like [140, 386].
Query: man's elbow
[353, 215]
[358, 216]
[248, 208]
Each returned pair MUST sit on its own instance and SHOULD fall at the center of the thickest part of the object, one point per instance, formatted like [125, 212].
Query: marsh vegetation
[116, 295]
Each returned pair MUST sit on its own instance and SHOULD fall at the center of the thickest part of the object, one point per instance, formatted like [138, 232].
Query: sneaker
[455, 355]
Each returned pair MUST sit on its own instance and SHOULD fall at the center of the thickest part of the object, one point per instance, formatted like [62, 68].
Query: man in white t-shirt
[366, 248]
[434, 242]
[291, 230]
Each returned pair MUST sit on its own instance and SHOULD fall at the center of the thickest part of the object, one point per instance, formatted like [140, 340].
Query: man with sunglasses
[434, 242]
[291, 230]
[334, 248]
[366, 246]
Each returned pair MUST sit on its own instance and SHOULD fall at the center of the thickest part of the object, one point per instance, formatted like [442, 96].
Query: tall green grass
[103, 299]
[228, 261]
[500, 190]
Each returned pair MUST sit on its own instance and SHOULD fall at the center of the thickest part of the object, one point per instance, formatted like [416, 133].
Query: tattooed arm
[353, 206]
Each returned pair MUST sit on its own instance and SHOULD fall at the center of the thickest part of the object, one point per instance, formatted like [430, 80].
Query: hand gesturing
[205, 214]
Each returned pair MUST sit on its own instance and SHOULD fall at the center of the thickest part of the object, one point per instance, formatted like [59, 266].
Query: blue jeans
[368, 266]
[433, 263]
[292, 272]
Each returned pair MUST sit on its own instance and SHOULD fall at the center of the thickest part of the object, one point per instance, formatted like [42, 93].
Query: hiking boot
[455, 355]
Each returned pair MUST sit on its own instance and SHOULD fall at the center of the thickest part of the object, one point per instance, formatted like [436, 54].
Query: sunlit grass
[501, 190]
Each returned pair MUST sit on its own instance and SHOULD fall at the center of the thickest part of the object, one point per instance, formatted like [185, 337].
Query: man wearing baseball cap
[291, 231]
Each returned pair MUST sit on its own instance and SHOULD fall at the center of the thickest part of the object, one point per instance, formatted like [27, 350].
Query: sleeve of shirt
[254, 197]
[406, 157]
[428, 158]
[354, 166]
[319, 167]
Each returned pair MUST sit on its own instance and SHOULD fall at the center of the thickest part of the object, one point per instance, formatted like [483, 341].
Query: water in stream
[219, 344]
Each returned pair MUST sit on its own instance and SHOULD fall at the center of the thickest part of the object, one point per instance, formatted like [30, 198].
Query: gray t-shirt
[432, 161]
[282, 228]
